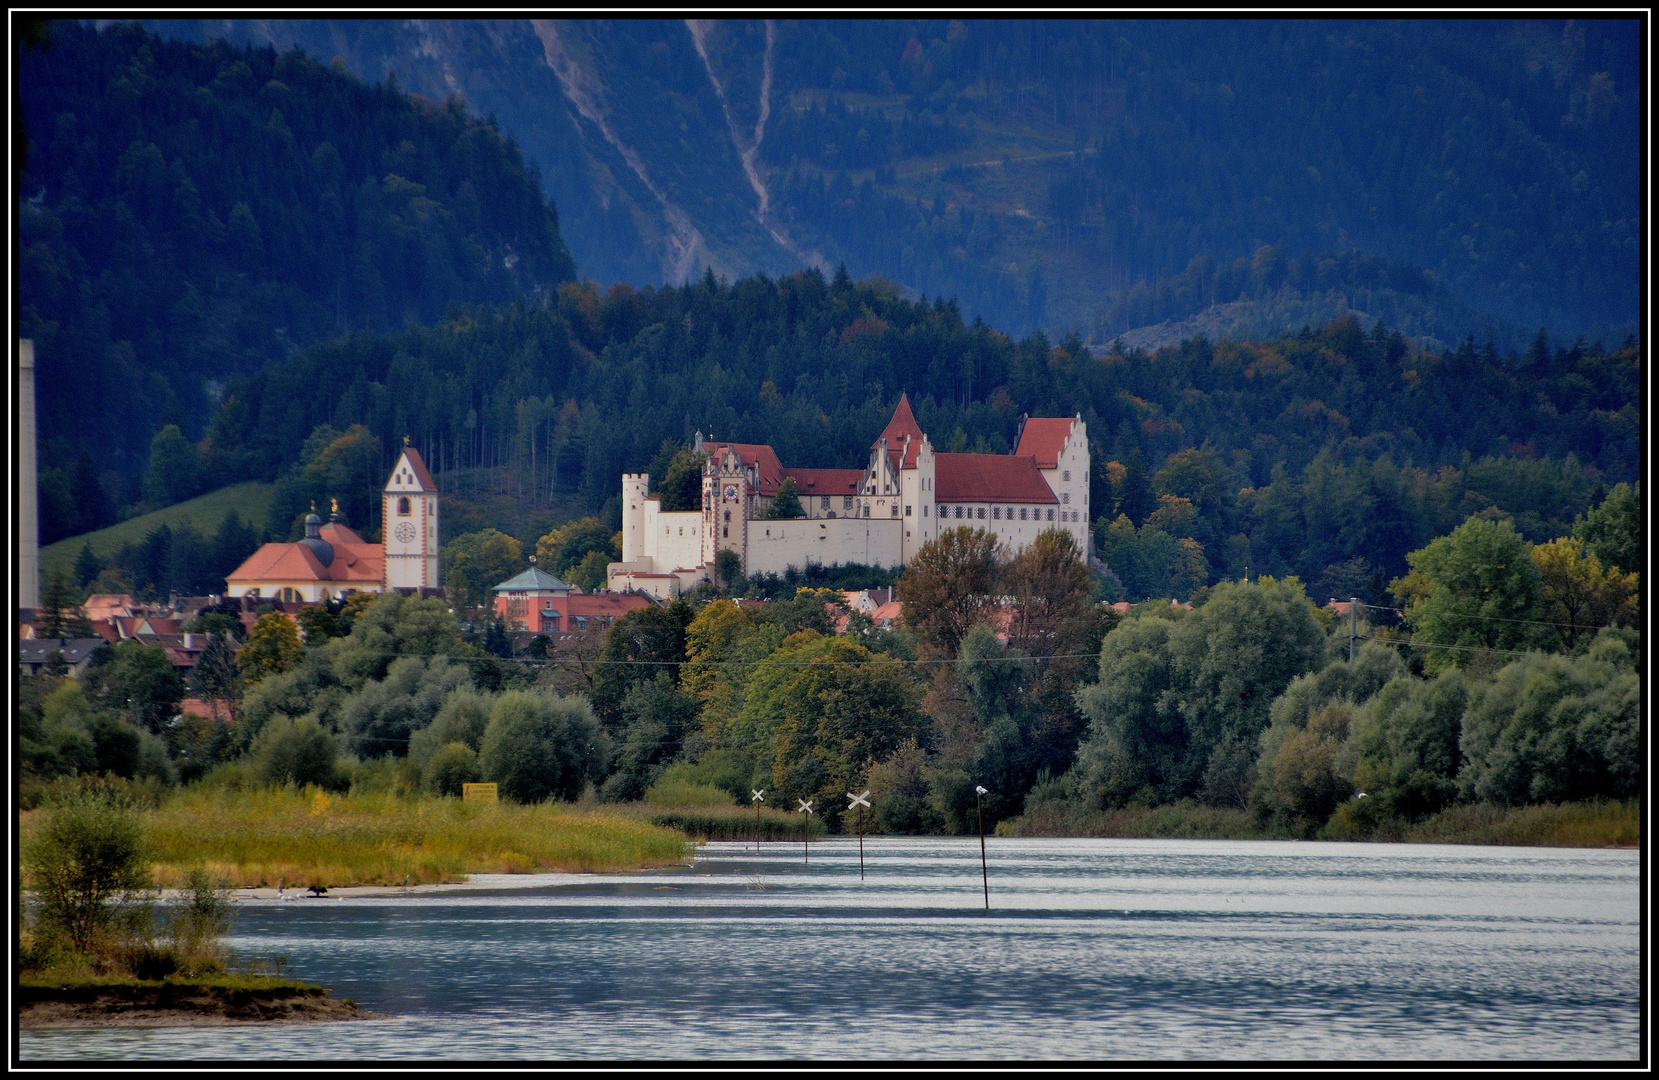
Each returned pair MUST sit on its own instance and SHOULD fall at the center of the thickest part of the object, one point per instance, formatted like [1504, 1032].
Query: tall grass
[1183, 820]
[304, 838]
[1584, 824]
[729, 822]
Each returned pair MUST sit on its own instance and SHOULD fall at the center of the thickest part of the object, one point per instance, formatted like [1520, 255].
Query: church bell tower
[410, 531]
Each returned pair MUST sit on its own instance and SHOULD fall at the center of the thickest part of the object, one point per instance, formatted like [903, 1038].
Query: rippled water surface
[1092, 949]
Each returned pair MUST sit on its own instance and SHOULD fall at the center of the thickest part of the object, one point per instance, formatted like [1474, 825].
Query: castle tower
[28, 521]
[410, 533]
[636, 488]
[727, 502]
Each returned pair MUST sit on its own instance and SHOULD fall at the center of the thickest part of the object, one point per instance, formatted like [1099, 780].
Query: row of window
[1031, 513]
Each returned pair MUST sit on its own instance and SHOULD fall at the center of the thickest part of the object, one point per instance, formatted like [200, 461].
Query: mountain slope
[190, 213]
[1057, 174]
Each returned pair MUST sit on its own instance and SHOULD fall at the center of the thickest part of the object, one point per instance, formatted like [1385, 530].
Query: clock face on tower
[405, 532]
[731, 491]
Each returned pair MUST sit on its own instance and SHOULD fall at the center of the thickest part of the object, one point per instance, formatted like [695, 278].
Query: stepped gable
[902, 424]
[765, 470]
[1043, 438]
[989, 478]
[826, 481]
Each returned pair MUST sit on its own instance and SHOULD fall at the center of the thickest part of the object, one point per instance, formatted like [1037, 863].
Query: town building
[878, 516]
[539, 603]
[332, 561]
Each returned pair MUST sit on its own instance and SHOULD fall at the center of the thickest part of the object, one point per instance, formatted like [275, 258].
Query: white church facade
[879, 516]
[333, 561]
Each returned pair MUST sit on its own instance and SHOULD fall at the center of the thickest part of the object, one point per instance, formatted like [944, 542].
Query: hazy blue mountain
[1450, 177]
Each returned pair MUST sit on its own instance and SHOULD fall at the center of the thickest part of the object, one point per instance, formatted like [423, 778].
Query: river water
[1092, 949]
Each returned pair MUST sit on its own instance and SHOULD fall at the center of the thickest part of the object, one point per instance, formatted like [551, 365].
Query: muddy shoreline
[177, 1005]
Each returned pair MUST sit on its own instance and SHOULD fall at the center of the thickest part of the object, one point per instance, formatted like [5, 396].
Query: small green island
[100, 947]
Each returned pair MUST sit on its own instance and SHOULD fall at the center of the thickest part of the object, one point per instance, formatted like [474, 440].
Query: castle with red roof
[880, 515]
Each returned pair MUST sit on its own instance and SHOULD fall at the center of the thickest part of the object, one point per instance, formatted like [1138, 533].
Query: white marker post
[760, 797]
[984, 874]
[859, 802]
[806, 833]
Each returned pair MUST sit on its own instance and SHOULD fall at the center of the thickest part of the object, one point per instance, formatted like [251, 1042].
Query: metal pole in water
[984, 874]
[860, 801]
[760, 797]
[806, 831]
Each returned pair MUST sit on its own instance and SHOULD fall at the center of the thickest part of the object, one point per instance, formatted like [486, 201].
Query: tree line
[1510, 677]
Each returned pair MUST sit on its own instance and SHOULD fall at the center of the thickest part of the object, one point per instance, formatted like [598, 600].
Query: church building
[333, 561]
[879, 516]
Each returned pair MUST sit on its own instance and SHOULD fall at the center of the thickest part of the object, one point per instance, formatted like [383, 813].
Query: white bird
[280, 894]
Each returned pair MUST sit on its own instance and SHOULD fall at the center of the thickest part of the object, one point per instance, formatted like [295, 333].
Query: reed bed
[1583, 824]
[1184, 820]
[729, 822]
[310, 837]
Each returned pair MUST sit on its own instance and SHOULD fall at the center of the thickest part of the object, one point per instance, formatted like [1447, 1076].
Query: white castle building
[879, 516]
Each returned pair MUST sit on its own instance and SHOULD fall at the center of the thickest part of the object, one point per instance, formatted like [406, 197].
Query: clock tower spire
[410, 514]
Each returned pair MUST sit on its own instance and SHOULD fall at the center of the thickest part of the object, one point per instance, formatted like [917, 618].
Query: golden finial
[334, 506]
[406, 440]
[313, 506]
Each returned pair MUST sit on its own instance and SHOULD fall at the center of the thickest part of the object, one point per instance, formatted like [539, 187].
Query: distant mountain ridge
[1042, 171]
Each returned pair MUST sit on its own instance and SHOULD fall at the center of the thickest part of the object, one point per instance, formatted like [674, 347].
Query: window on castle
[906, 509]
[1066, 497]
[403, 506]
[1022, 513]
[1065, 474]
[1051, 515]
[895, 509]
[823, 502]
[981, 513]
[996, 513]
[846, 502]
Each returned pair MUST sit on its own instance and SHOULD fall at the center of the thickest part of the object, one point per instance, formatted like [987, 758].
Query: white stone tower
[28, 510]
[636, 488]
[410, 532]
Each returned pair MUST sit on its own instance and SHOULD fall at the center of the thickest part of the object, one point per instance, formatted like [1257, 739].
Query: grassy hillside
[251, 501]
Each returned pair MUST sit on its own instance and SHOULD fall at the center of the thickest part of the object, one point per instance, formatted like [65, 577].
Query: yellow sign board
[478, 793]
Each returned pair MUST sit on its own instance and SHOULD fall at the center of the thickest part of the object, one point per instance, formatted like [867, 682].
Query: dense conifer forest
[190, 213]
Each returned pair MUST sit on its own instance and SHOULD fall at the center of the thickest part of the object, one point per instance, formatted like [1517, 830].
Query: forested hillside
[189, 213]
[1059, 174]
[1329, 453]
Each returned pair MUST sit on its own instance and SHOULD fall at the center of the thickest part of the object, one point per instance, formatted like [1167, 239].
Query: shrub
[677, 792]
[538, 746]
[89, 868]
[202, 915]
[449, 768]
[299, 752]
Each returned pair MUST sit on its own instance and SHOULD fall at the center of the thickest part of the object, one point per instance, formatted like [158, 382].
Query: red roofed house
[333, 561]
[878, 516]
[542, 604]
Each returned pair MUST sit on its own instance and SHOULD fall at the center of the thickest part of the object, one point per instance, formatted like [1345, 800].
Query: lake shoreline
[73, 1004]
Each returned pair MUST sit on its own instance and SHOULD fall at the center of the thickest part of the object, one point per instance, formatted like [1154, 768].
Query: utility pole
[1353, 625]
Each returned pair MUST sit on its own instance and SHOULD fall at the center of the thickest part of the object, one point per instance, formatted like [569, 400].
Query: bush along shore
[1607, 823]
[96, 949]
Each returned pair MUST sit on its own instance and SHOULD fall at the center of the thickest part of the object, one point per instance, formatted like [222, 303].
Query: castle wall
[672, 540]
[774, 546]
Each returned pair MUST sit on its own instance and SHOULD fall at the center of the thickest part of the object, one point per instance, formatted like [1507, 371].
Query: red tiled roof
[419, 468]
[902, 424]
[357, 562]
[758, 456]
[616, 604]
[826, 481]
[1043, 438]
[988, 478]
